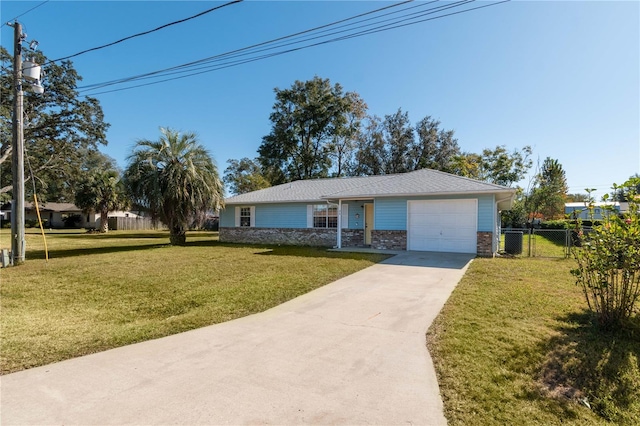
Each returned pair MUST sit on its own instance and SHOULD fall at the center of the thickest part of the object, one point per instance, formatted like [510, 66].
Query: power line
[237, 62]
[225, 56]
[147, 32]
[228, 54]
[24, 13]
[190, 66]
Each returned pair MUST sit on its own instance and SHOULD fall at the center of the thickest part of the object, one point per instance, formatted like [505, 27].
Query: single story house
[424, 210]
[580, 209]
[55, 215]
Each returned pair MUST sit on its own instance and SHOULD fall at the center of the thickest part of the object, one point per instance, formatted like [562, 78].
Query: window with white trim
[325, 216]
[245, 216]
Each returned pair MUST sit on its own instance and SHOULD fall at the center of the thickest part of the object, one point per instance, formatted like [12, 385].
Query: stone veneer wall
[485, 244]
[380, 239]
[352, 237]
[388, 240]
[288, 236]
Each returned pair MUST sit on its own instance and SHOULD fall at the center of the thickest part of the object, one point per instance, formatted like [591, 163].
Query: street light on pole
[32, 73]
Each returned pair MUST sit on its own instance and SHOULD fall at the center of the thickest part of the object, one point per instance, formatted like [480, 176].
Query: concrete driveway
[352, 352]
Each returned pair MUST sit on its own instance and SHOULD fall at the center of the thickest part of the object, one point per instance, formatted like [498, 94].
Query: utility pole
[17, 154]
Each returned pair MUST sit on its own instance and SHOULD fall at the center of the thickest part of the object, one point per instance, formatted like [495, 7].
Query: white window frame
[238, 216]
[311, 209]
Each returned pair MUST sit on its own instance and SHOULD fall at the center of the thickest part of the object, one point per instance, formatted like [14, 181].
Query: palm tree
[103, 192]
[176, 179]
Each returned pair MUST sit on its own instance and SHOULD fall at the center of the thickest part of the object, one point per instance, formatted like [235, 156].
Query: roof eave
[421, 194]
[237, 203]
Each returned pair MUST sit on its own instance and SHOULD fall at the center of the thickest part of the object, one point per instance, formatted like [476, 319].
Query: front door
[368, 223]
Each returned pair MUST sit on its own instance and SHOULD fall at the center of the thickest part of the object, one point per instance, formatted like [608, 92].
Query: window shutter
[237, 216]
[309, 216]
[253, 216]
[345, 216]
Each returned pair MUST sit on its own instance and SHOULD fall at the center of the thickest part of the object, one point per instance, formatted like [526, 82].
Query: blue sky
[563, 77]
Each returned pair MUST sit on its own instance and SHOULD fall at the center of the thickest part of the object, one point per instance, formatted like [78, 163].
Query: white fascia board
[243, 203]
[420, 194]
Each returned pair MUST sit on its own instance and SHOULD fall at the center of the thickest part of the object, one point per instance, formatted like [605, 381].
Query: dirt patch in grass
[596, 368]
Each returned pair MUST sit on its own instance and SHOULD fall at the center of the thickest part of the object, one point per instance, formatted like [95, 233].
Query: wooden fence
[133, 224]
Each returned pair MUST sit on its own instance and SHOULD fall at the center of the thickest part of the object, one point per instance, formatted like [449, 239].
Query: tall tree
[467, 164]
[399, 139]
[435, 148]
[101, 191]
[371, 155]
[347, 130]
[550, 190]
[305, 121]
[61, 130]
[244, 175]
[175, 179]
[503, 168]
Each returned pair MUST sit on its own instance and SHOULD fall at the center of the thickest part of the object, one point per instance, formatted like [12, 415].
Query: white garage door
[443, 225]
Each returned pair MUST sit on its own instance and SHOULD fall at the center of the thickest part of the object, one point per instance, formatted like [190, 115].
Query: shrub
[72, 221]
[555, 224]
[609, 264]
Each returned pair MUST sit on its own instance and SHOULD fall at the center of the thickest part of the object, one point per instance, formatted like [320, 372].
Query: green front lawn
[514, 345]
[102, 291]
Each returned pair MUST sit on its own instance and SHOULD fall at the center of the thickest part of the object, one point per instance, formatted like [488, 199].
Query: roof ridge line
[384, 178]
[466, 178]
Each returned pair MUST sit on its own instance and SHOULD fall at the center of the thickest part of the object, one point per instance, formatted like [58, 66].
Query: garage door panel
[442, 225]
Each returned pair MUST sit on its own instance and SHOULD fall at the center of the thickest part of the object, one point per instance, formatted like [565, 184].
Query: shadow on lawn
[198, 241]
[308, 251]
[600, 368]
[58, 254]
[87, 251]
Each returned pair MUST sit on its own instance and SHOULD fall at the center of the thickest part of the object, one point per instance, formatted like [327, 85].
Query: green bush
[555, 224]
[72, 221]
[609, 264]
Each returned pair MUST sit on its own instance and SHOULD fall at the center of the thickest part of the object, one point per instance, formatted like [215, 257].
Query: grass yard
[545, 243]
[514, 345]
[102, 291]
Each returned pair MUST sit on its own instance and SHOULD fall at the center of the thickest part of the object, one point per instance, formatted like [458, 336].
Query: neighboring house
[423, 210]
[580, 210]
[55, 214]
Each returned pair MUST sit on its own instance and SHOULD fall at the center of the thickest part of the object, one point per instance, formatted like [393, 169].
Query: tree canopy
[623, 192]
[393, 145]
[175, 179]
[101, 191]
[244, 175]
[548, 196]
[62, 130]
[312, 123]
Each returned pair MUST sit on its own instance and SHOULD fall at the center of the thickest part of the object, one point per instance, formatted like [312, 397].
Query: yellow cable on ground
[46, 251]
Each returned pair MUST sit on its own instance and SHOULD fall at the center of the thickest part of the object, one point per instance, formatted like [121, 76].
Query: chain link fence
[537, 242]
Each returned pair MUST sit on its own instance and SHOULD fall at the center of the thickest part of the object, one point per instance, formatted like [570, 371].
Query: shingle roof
[417, 183]
[56, 207]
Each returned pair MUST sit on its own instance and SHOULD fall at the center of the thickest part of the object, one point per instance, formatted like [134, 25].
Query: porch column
[339, 238]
